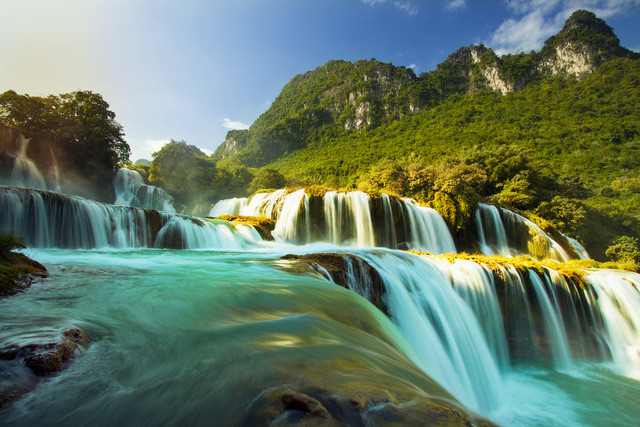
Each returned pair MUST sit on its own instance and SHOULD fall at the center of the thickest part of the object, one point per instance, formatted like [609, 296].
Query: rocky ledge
[287, 405]
[264, 226]
[18, 272]
[342, 267]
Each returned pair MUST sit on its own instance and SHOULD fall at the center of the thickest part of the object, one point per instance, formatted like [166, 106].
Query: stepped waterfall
[46, 219]
[489, 337]
[346, 219]
[470, 325]
[132, 191]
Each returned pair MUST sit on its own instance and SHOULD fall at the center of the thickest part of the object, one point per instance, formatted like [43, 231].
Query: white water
[25, 173]
[619, 302]
[428, 230]
[51, 220]
[235, 206]
[132, 191]
[450, 314]
[348, 219]
[440, 326]
[492, 236]
[516, 221]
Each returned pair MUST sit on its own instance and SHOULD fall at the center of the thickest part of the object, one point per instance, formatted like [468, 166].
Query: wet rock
[350, 272]
[42, 360]
[47, 359]
[18, 272]
[286, 405]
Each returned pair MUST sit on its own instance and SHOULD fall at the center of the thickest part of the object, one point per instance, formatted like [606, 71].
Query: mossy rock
[17, 272]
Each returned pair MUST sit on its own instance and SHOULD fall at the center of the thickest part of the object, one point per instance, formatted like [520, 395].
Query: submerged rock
[47, 359]
[42, 359]
[286, 405]
[347, 270]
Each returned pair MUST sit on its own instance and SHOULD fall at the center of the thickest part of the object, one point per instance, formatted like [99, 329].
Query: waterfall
[286, 226]
[538, 243]
[619, 302]
[445, 335]
[25, 173]
[191, 233]
[46, 219]
[235, 206]
[132, 191]
[428, 231]
[492, 237]
[580, 250]
[346, 219]
[468, 324]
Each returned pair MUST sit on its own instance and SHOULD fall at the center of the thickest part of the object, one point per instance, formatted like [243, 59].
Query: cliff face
[345, 96]
[581, 47]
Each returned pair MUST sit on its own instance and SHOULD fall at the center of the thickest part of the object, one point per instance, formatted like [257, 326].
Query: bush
[8, 243]
[624, 249]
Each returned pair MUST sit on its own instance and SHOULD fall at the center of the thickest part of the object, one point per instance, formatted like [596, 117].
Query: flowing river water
[207, 332]
[195, 336]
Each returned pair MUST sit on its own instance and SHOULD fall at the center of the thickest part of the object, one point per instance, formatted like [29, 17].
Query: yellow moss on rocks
[264, 226]
[573, 270]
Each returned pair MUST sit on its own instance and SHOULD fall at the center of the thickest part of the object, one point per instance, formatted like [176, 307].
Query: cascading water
[538, 242]
[619, 302]
[235, 206]
[428, 230]
[444, 334]
[50, 220]
[132, 191]
[492, 236]
[471, 326]
[25, 173]
[345, 219]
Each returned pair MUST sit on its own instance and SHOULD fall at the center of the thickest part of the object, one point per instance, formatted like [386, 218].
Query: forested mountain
[361, 96]
[554, 133]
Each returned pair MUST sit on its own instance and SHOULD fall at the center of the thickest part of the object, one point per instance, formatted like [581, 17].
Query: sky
[194, 69]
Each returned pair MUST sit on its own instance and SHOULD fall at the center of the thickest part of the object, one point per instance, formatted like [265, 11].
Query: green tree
[267, 179]
[624, 249]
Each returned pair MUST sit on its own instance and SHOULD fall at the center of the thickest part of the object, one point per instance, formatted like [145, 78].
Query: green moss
[17, 271]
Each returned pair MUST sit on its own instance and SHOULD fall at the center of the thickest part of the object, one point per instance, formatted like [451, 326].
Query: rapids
[208, 336]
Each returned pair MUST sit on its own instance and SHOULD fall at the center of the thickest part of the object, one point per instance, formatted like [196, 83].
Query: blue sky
[194, 69]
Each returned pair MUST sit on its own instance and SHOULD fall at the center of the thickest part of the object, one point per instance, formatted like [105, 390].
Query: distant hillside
[352, 97]
[554, 133]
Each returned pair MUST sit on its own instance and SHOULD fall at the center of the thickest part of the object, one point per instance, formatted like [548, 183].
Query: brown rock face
[47, 359]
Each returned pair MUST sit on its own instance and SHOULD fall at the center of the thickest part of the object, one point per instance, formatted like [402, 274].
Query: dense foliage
[80, 122]
[561, 149]
[192, 177]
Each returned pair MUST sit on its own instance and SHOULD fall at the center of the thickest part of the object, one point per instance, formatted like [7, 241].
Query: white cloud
[229, 124]
[534, 22]
[205, 151]
[407, 7]
[456, 4]
[373, 2]
[413, 66]
[150, 146]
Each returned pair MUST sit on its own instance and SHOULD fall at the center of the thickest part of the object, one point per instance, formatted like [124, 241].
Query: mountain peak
[584, 27]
